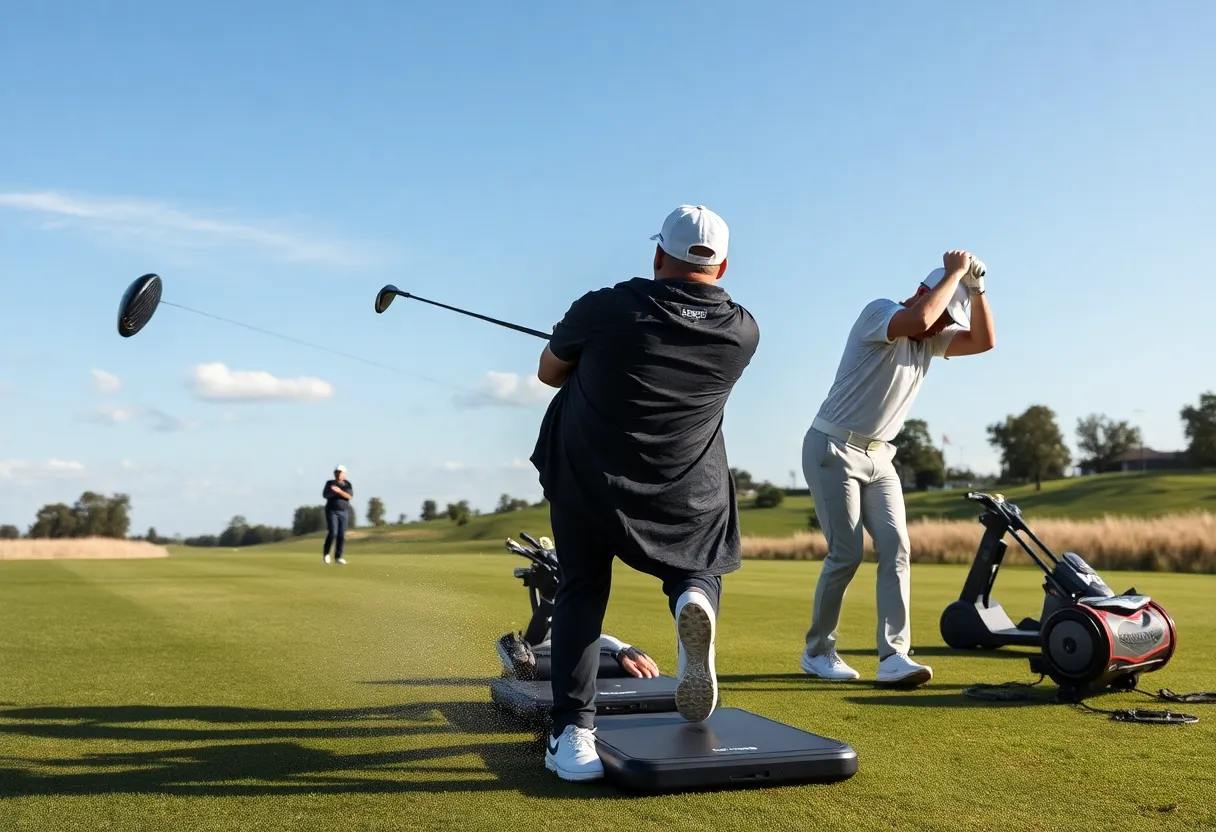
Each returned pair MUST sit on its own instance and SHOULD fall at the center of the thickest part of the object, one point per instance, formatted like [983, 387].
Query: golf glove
[974, 281]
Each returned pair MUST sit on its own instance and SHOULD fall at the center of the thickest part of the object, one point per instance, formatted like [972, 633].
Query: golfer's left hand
[637, 663]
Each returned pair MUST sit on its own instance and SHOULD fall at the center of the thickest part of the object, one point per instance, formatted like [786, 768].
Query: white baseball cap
[341, 468]
[959, 307]
[694, 225]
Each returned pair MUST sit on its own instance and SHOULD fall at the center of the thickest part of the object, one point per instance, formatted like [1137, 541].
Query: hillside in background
[1132, 495]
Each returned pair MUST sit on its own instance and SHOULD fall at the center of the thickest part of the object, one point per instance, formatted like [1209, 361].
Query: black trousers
[578, 613]
[335, 521]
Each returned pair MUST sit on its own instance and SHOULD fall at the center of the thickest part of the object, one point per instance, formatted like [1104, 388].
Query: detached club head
[138, 305]
[385, 298]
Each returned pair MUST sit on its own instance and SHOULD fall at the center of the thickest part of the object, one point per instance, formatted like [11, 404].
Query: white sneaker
[326, 558]
[697, 691]
[898, 669]
[828, 666]
[573, 756]
[342, 561]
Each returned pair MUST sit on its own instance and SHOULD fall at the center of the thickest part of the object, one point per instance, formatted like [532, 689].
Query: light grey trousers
[855, 490]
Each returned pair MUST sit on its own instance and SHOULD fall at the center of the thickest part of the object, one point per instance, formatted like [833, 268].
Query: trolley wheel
[958, 622]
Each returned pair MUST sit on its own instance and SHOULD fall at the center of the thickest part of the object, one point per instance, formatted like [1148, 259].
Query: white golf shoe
[697, 688]
[572, 754]
[897, 670]
[828, 666]
[326, 558]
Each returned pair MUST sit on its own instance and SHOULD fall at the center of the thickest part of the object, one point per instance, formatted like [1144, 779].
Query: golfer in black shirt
[632, 460]
[338, 493]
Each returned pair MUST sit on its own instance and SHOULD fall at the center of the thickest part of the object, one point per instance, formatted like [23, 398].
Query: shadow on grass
[953, 696]
[179, 750]
[796, 680]
[951, 652]
[451, 682]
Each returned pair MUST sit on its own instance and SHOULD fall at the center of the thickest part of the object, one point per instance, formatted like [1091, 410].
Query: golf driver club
[386, 295]
[143, 297]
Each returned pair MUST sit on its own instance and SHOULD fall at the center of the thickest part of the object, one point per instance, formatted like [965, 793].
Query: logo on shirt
[694, 314]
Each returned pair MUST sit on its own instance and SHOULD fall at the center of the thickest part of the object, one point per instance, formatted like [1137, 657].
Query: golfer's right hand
[956, 261]
[638, 664]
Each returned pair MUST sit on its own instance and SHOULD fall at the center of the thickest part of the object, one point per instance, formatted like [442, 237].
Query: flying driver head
[138, 304]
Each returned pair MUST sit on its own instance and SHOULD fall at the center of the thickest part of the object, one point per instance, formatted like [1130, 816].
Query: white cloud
[454, 466]
[497, 388]
[216, 382]
[104, 382]
[146, 220]
[517, 464]
[10, 468]
[118, 414]
[64, 465]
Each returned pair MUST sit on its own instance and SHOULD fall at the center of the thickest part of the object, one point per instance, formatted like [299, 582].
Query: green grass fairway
[1135, 494]
[263, 690]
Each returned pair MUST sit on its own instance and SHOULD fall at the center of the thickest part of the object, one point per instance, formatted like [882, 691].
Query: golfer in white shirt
[847, 455]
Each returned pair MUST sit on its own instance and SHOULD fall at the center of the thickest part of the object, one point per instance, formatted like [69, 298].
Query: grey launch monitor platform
[661, 752]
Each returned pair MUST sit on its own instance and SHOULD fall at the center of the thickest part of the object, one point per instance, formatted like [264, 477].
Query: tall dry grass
[96, 548]
[1174, 543]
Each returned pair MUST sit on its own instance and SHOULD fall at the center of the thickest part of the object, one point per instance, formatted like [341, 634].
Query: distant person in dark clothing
[338, 493]
[632, 459]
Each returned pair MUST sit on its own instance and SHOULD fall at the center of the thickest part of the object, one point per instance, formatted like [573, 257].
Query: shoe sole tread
[697, 691]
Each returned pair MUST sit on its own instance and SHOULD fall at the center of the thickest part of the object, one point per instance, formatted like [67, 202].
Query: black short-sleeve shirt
[632, 443]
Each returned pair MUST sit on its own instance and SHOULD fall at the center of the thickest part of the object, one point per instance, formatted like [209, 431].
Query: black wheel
[958, 623]
[1128, 682]
[1075, 650]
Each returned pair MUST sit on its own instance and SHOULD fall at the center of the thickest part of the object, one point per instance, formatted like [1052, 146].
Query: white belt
[865, 443]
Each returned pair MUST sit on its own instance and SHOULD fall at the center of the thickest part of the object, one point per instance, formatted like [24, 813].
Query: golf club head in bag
[138, 304]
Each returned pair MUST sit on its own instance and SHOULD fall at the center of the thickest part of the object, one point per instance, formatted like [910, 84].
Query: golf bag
[526, 655]
[1089, 638]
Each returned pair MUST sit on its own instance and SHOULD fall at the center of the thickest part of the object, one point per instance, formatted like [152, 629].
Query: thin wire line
[331, 351]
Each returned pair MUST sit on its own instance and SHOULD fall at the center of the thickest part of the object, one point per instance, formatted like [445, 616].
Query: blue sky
[278, 164]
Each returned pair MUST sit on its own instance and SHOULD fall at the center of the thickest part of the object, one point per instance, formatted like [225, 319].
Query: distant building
[1144, 459]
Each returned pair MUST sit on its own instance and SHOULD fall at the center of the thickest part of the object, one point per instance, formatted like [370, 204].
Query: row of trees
[1033, 449]
[92, 515]
[311, 519]
[764, 494]
[1030, 443]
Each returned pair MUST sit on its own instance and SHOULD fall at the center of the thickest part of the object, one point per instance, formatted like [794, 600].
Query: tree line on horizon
[1031, 446]
[311, 520]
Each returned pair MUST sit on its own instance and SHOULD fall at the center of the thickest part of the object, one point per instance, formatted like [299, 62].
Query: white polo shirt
[878, 379]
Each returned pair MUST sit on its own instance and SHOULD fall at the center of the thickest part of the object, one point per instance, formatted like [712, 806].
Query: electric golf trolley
[644, 744]
[1088, 637]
